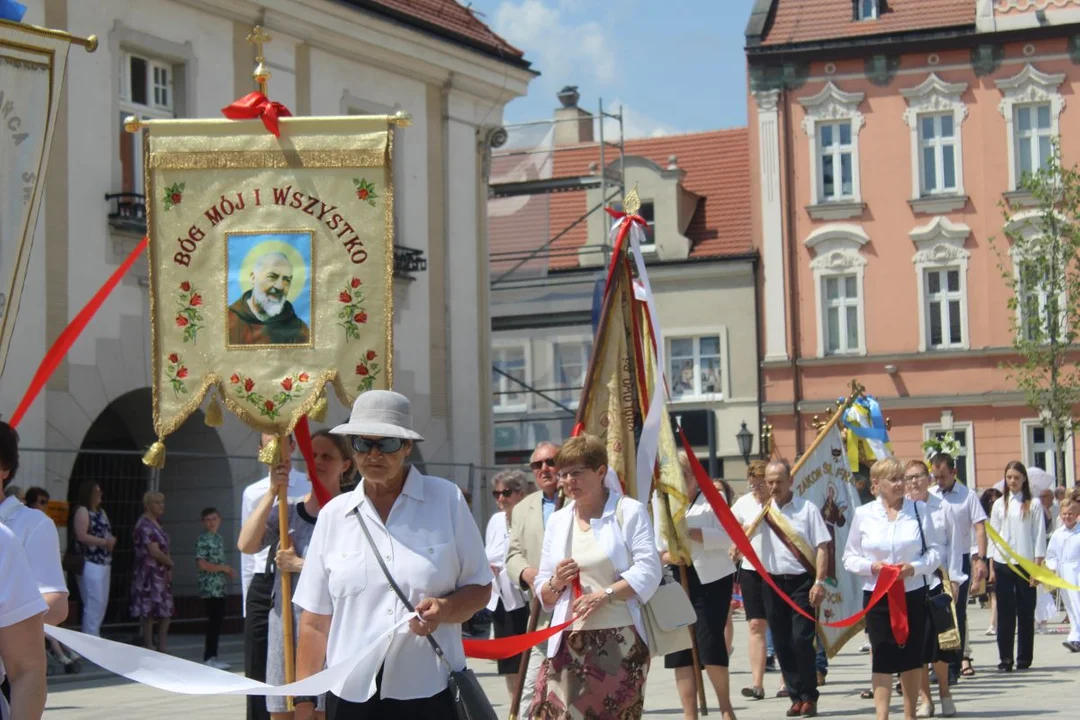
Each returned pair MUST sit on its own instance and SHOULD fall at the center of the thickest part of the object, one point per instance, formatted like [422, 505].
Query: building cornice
[917, 402]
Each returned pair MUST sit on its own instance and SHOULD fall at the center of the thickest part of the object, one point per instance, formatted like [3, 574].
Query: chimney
[573, 126]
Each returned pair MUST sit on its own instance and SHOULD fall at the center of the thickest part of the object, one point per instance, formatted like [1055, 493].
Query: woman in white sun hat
[422, 531]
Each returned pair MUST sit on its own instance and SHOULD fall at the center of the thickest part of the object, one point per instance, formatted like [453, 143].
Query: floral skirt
[595, 674]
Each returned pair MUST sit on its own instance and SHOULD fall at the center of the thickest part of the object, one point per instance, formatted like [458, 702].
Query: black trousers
[961, 614]
[215, 615]
[437, 707]
[1016, 614]
[256, 628]
[793, 635]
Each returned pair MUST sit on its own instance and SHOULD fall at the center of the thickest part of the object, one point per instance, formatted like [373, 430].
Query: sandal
[967, 668]
[867, 694]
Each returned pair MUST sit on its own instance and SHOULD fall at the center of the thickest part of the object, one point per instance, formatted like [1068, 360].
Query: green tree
[1042, 273]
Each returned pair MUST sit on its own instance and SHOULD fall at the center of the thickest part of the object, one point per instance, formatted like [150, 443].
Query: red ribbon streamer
[303, 441]
[887, 582]
[508, 647]
[71, 333]
[256, 105]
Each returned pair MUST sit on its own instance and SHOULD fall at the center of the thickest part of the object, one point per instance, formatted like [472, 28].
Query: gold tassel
[268, 454]
[213, 417]
[318, 410]
[155, 456]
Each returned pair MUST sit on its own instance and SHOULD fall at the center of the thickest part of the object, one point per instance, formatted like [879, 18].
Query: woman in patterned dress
[151, 588]
[599, 564]
[92, 538]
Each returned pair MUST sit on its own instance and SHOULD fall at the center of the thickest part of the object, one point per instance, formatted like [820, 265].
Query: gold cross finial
[632, 202]
[259, 37]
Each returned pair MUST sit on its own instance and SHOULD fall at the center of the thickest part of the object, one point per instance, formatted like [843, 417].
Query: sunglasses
[386, 445]
[502, 494]
[537, 464]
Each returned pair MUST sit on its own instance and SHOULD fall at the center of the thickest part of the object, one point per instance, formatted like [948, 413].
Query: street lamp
[745, 439]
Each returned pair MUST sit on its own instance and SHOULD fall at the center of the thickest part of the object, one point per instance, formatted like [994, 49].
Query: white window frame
[1026, 222]
[830, 105]
[939, 245]
[1033, 137]
[650, 247]
[1028, 448]
[150, 110]
[581, 341]
[719, 331]
[930, 430]
[836, 249]
[835, 153]
[1028, 87]
[498, 402]
[934, 96]
[861, 6]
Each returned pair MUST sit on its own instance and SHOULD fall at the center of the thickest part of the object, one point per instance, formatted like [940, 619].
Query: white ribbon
[173, 674]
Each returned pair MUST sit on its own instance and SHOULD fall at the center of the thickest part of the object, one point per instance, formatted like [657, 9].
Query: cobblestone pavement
[1047, 690]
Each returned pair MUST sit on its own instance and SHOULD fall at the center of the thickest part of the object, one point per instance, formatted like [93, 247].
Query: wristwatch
[609, 593]
[819, 583]
[306, 699]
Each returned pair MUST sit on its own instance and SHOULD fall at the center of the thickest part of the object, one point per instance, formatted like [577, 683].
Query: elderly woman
[151, 586]
[507, 600]
[710, 577]
[894, 530]
[397, 528]
[334, 468]
[599, 564]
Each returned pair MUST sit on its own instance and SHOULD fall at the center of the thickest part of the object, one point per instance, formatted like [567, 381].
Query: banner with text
[271, 265]
[32, 63]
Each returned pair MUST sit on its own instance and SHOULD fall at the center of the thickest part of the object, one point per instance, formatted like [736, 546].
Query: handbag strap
[394, 586]
[922, 537]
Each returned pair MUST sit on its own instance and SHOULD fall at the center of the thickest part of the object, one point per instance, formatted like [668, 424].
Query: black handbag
[470, 702]
[939, 607]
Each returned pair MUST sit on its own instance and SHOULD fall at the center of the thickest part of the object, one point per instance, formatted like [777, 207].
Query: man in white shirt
[35, 531]
[794, 551]
[257, 578]
[964, 510]
[22, 636]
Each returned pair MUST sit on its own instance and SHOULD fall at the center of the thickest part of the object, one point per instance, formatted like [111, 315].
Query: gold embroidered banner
[271, 265]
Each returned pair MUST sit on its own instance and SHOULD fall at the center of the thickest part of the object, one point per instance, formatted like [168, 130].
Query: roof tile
[797, 21]
[450, 16]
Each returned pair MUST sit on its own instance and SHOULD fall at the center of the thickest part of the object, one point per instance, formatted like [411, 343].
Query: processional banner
[824, 479]
[32, 62]
[271, 265]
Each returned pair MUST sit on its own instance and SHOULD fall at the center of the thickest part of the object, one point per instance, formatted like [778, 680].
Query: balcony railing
[408, 261]
[128, 212]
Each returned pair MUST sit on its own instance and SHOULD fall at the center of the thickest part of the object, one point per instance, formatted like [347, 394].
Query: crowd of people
[393, 545]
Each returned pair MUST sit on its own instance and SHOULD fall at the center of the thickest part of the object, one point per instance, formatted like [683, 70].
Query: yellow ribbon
[1041, 573]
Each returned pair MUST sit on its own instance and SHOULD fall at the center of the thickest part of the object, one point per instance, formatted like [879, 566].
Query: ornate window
[963, 433]
[1040, 313]
[1038, 450]
[934, 115]
[838, 288]
[832, 123]
[1031, 106]
[941, 273]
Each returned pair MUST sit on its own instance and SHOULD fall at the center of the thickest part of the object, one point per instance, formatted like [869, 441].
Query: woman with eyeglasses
[507, 600]
[1020, 523]
[399, 533]
[598, 565]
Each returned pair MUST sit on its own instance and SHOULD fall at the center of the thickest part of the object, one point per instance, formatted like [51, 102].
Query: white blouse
[1026, 535]
[873, 537]
[430, 544]
[1063, 553]
[746, 509]
[496, 542]
[709, 557]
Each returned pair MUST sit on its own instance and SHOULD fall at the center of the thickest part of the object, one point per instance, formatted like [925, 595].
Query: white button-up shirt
[1063, 554]
[1026, 535]
[963, 506]
[432, 547]
[19, 595]
[496, 543]
[299, 486]
[746, 509]
[955, 546]
[37, 533]
[710, 557]
[873, 537]
[805, 518]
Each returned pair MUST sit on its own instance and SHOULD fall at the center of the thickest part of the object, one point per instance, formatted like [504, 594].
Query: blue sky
[675, 65]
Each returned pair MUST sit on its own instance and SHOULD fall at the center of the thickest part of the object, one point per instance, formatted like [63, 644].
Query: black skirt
[507, 624]
[712, 605]
[887, 656]
[753, 594]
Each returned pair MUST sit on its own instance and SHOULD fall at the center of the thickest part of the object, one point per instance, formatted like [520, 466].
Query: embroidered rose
[174, 358]
[235, 379]
[345, 297]
[249, 384]
[181, 321]
[304, 377]
[356, 282]
[286, 384]
[182, 372]
[360, 317]
[196, 300]
[176, 198]
[185, 286]
[370, 355]
[269, 405]
[361, 369]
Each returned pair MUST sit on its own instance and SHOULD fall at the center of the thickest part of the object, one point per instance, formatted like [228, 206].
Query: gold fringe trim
[213, 417]
[268, 453]
[262, 159]
[318, 410]
[155, 456]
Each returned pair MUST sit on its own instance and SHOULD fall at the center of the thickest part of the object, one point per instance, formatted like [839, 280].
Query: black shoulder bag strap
[922, 537]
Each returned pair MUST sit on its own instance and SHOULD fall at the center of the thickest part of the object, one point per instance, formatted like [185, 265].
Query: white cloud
[561, 49]
[635, 124]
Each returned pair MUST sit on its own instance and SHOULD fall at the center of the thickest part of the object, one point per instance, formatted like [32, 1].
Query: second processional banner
[271, 264]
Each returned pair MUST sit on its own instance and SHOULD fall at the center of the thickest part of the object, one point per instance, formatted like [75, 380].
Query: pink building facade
[887, 142]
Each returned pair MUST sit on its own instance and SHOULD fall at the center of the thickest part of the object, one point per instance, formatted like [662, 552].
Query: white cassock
[1063, 557]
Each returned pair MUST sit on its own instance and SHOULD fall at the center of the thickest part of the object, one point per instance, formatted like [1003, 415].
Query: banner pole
[284, 543]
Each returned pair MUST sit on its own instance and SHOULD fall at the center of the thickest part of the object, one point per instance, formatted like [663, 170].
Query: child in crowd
[1063, 557]
[214, 576]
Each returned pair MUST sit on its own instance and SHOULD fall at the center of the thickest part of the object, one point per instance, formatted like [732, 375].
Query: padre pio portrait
[269, 289]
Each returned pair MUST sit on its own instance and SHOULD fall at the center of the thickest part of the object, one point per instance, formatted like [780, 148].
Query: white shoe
[865, 647]
[926, 710]
[948, 707]
[991, 630]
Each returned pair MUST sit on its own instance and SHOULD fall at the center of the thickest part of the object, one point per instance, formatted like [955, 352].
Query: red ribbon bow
[619, 215]
[256, 105]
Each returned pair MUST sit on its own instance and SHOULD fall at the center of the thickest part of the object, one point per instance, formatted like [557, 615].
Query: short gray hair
[514, 480]
[780, 462]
